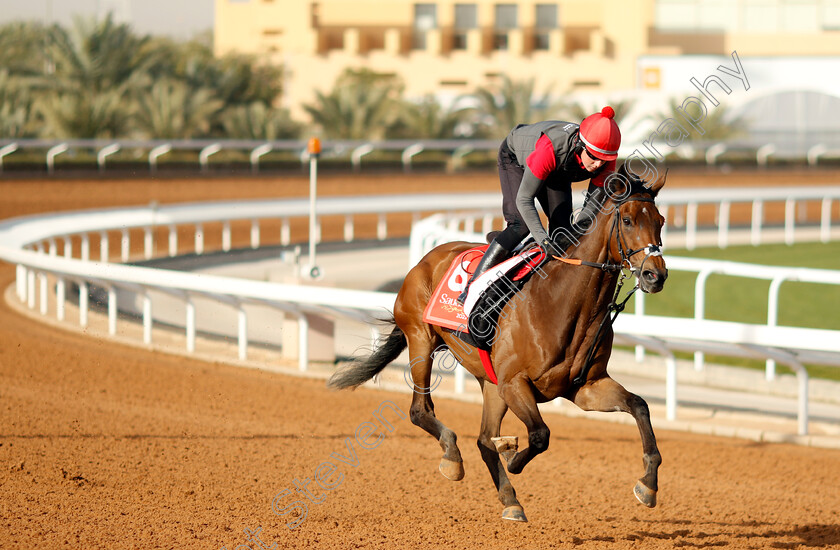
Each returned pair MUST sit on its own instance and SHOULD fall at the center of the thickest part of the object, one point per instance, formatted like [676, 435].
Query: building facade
[449, 47]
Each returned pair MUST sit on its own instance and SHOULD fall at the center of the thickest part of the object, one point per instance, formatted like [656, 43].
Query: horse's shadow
[690, 534]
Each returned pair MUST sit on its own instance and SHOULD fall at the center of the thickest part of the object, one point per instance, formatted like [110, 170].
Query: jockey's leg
[495, 254]
[556, 201]
[510, 177]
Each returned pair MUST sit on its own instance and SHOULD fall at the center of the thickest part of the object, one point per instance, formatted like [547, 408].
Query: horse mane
[580, 228]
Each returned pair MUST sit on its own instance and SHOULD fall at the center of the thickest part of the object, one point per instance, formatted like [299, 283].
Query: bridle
[649, 249]
[624, 251]
[615, 307]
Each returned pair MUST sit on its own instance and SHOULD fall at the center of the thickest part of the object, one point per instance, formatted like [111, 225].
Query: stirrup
[462, 297]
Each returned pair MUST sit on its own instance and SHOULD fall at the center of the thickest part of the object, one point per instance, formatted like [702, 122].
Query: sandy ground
[104, 446]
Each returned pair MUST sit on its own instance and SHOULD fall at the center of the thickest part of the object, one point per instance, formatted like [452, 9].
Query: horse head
[636, 227]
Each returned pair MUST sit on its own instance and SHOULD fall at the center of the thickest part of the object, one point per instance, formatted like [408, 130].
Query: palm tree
[100, 55]
[22, 48]
[718, 125]
[258, 121]
[361, 105]
[98, 72]
[501, 108]
[173, 109]
[427, 119]
[237, 79]
[17, 115]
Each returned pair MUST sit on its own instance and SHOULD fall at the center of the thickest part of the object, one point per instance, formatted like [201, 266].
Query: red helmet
[600, 134]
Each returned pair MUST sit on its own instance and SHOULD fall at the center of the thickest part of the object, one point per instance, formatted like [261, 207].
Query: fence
[710, 153]
[32, 244]
[256, 150]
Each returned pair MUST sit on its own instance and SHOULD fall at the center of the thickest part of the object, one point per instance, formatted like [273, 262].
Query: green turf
[745, 300]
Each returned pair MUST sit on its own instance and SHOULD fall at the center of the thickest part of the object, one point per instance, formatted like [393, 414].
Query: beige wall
[596, 47]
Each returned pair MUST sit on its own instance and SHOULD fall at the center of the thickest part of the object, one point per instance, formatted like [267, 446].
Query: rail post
[312, 270]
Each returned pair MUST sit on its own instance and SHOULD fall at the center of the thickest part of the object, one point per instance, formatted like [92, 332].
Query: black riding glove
[550, 248]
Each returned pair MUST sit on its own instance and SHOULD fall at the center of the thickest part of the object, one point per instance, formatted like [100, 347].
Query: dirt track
[103, 446]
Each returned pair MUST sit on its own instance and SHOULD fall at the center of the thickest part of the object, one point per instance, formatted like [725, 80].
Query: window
[546, 21]
[506, 16]
[676, 14]
[425, 19]
[761, 15]
[718, 15]
[800, 16]
[546, 16]
[505, 21]
[758, 16]
[466, 19]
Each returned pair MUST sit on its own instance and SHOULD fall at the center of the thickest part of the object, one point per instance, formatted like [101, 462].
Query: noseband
[624, 251]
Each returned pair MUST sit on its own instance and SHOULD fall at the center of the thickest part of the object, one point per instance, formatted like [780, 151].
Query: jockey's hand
[550, 248]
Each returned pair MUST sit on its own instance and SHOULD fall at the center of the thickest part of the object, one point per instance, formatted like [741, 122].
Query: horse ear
[622, 169]
[658, 184]
[617, 185]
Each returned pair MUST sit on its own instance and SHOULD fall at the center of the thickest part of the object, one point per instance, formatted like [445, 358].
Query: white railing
[711, 152]
[777, 276]
[255, 150]
[684, 205]
[32, 244]
[682, 208]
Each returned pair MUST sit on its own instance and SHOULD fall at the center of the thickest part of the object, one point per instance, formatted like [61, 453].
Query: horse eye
[626, 220]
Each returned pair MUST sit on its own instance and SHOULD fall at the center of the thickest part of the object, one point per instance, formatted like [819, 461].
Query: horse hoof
[645, 495]
[514, 513]
[451, 469]
[506, 445]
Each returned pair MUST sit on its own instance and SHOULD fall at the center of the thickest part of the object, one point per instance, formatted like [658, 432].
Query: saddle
[476, 320]
[487, 300]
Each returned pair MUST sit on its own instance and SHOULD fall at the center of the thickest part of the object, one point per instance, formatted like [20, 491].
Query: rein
[615, 307]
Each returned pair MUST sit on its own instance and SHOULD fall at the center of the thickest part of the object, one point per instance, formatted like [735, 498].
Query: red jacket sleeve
[542, 161]
[602, 176]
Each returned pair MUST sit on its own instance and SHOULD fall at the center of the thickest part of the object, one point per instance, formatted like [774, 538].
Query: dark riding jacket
[522, 141]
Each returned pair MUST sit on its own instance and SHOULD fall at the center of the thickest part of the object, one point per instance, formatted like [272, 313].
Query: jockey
[540, 161]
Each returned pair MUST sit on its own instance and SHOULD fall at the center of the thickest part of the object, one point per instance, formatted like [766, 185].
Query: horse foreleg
[422, 412]
[491, 421]
[519, 396]
[607, 395]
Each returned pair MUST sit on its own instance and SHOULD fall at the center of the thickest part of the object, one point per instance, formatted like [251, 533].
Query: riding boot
[494, 254]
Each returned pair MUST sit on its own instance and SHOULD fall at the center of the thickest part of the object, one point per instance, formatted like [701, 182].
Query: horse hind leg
[491, 421]
[422, 412]
[607, 395]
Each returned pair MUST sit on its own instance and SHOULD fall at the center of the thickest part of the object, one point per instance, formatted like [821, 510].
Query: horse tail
[364, 368]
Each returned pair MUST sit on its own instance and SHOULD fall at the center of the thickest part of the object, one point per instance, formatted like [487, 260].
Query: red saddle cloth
[443, 308]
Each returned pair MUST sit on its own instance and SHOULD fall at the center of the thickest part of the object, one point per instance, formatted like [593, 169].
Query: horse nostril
[650, 276]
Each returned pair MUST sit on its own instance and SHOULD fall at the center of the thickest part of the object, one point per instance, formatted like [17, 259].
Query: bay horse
[552, 342]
